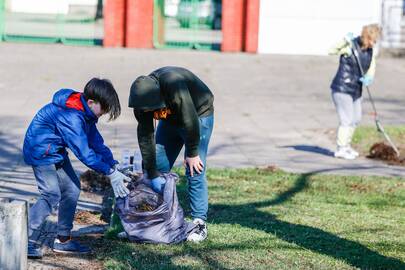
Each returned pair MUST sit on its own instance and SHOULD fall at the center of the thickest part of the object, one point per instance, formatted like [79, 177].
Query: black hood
[145, 94]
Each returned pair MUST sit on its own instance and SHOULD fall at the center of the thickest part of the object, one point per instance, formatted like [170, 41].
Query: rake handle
[377, 121]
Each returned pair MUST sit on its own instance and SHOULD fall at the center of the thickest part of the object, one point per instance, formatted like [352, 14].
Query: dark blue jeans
[169, 141]
[58, 185]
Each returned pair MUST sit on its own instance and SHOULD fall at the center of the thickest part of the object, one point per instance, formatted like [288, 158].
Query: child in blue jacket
[69, 121]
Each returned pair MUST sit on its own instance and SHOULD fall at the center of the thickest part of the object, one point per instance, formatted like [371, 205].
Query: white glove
[117, 183]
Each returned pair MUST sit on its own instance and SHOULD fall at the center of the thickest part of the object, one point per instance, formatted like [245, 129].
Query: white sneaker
[345, 153]
[354, 152]
[122, 235]
[201, 233]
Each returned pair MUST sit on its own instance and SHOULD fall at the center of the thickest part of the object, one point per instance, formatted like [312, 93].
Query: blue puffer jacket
[66, 122]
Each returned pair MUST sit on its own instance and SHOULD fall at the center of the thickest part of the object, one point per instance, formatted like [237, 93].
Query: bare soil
[88, 218]
[386, 153]
[94, 182]
[52, 260]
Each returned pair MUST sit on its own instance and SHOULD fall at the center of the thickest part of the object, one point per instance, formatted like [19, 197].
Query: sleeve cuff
[192, 152]
[153, 174]
[113, 163]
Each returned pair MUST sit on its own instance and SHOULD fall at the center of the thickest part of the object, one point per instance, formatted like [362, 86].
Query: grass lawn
[260, 219]
[366, 136]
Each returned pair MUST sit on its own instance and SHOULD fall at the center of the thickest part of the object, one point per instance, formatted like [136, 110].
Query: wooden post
[13, 234]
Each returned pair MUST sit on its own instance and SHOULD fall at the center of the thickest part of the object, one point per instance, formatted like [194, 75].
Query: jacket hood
[145, 94]
[61, 98]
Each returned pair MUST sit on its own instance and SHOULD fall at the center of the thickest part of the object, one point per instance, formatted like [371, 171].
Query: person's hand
[346, 51]
[117, 182]
[194, 163]
[366, 80]
[349, 38]
[158, 184]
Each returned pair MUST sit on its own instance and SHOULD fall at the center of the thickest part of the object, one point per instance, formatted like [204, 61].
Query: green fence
[194, 24]
[69, 24]
[1, 19]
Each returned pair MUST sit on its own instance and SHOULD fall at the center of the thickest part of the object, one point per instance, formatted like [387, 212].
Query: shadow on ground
[310, 148]
[314, 239]
[250, 216]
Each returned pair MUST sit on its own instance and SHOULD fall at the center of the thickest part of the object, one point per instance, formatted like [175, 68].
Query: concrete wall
[82, 2]
[311, 26]
[45, 6]
[38, 6]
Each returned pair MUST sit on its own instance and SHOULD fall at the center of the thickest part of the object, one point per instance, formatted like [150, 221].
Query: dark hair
[102, 91]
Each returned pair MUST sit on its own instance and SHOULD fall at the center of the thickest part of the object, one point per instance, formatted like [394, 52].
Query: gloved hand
[366, 80]
[158, 184]
[349, 38]
[117, 183]
[346, 50]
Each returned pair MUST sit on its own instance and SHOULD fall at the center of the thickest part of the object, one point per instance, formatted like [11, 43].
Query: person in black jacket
[348, 83]
[183, 104]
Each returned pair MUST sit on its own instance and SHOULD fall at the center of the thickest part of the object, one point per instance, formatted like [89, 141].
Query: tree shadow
[142, 257]
[250, 215]
[314, 239]
[10, 154]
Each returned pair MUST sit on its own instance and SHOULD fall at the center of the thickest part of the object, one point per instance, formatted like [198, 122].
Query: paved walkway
[270, 109]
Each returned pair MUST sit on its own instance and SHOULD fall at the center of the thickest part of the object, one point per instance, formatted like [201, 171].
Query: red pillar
[139, 24]
[252, 25]
[114, 23]
[232, 25]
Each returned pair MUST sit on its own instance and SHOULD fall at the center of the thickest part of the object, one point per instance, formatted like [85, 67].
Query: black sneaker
[201, 233]
[70, 246]
[34, 250]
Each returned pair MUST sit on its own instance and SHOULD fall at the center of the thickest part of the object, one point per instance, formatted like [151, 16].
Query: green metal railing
[193, 24]
[79, 26]
[1, 19]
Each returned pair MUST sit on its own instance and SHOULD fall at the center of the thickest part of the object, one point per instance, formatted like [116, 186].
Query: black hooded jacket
[188, 98]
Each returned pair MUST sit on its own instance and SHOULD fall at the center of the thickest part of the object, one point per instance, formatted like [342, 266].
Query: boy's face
[95, 107]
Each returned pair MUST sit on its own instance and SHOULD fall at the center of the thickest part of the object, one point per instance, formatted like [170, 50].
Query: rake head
[380, 129]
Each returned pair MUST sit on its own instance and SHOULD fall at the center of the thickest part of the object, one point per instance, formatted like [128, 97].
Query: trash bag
[148, 217]
[142, 198]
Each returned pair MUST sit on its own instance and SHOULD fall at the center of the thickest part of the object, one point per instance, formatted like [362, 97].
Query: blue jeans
[58, 185]
[169, 141]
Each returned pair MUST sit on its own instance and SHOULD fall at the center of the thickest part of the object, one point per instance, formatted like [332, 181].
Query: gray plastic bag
[165, 224]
